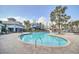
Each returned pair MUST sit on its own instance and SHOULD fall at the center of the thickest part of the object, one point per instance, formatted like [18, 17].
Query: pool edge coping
[43, 45]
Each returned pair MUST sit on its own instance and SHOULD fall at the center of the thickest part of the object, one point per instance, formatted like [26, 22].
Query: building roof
[11, 19]
[12, 23]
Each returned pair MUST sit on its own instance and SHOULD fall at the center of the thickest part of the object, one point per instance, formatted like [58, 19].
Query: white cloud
[42, 20]
[3, 19]
[18, 18]
[22, 19]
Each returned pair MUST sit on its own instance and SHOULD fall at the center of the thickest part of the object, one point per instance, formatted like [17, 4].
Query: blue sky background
[35, 11]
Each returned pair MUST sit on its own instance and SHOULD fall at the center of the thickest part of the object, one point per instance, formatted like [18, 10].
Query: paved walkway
[9, 44]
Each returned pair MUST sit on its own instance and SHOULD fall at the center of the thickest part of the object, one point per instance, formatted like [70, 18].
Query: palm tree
[27, 25]
[59, 16]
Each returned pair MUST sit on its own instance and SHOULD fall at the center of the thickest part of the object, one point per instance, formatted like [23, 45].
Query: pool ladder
[36, 42]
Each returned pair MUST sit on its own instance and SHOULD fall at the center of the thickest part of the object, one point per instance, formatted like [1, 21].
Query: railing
[36, 42]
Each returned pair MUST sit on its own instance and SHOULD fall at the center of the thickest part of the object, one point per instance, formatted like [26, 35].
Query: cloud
[42, 20]
[22, 19]
[18, 18]
[3, 19]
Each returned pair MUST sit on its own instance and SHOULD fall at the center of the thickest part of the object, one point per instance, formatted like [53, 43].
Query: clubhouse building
[12, 25]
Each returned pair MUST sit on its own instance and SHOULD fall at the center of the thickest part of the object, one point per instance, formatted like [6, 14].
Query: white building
[13, 26]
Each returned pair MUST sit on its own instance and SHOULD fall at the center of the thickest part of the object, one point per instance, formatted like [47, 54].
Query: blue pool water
[42, 38]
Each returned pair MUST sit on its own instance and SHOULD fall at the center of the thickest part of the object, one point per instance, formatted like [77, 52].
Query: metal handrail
[36, 42]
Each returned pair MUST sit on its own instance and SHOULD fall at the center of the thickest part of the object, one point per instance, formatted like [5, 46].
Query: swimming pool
[43, 39]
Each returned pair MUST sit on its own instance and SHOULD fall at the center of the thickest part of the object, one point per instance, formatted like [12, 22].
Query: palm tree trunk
[59, 32]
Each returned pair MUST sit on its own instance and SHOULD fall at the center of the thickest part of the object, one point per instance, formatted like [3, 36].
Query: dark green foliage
[59, 16]
[27, 25]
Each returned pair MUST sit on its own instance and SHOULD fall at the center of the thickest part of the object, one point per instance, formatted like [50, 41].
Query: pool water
[42, 38]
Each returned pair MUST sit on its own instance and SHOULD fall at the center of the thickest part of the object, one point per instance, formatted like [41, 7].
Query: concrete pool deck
[9, 44]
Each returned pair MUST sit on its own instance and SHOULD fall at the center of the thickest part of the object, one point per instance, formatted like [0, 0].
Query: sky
[35, 11]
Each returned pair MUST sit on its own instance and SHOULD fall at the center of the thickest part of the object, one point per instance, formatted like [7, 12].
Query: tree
[59, 16]
[41, 26]
[27, 25]
[76, 23]
[0, 22]
[3, 28]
